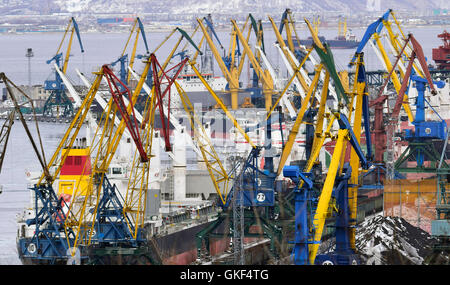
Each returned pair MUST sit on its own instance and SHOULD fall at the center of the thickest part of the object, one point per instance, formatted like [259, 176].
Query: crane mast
[230, 75]
[5, 130]
[58, 99]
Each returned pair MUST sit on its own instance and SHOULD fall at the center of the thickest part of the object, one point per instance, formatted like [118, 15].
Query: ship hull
[178, 248]
[333, 44]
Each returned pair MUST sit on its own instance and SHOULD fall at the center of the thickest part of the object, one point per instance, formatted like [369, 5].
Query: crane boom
[282, 45]
[4, 136]
[72, 131]
[129, 119]
[85, 203]
[77, 31]
[171, 118]
[286, 103]
[298, 121]
[263, 75]
[231, 75]
[222, 106]
[326, 57]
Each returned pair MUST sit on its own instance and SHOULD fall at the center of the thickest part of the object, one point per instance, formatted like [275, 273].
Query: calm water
[99, 49]
[19, 158]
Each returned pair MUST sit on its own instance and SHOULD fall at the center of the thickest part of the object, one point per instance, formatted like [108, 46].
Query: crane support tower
[58, 104]
[420, 141]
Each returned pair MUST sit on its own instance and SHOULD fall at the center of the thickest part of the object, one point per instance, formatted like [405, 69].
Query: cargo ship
[345, 39]
[337, 43]
[171, 222]
[349, 41]
[182, 199]
[441, 55]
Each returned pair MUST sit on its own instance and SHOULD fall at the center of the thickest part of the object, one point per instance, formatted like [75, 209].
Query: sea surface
[19, 159]
[103, 48]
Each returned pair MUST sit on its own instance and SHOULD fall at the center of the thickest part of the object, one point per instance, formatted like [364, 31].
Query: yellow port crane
[356, 108]
[85, 202]
[222, 180]
[72, 23]
[137, 29]
[342, 27]
[328, 64]
[263, 75]
[347, 132]
[232, 72]
[135, 199]
[299, 119]
[287, 23]
[283, 47]
[138, 183]
[86, 194]
[325, 203]
[82, 209]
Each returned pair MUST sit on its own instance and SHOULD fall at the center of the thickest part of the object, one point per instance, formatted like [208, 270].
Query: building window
[117, 170]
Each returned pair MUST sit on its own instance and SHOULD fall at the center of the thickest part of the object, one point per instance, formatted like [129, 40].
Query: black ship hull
[178, 248]
[333, 44]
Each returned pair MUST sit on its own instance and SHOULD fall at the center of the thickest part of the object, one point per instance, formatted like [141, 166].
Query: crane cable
[41, 158]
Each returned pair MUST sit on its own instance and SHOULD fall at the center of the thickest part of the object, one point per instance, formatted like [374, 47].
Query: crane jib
[77, 31]
[141, 27]
[130, 119]
[160, 94]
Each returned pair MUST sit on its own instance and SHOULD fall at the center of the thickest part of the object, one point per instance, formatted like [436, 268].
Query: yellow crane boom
[298, 121]
[72, 131]
[231, 76]
[263, 75]
[287, 55]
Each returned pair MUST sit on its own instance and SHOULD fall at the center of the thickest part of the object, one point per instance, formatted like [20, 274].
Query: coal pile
[392, 241]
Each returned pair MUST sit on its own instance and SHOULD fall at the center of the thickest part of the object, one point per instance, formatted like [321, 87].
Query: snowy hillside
[238, 6]
[211, 6]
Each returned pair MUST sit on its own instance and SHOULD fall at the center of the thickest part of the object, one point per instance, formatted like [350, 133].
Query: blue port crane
[123, 59]
[400, 47]
[48, 241]
[341, 182]
[308, 204]
[58, 103]
[420, 140]
[311, 210]
[227, 62]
